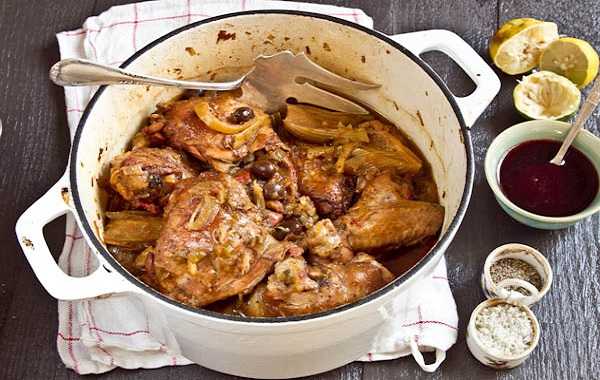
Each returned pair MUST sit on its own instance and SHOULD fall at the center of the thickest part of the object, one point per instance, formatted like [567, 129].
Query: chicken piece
[386, 152]
[320, 126]
[330, 191]
[144, 176]
[384, 219]
[217, 129]
[381, 137]
[325, 243]
[296, 288]
[131, 229]
[214, 243]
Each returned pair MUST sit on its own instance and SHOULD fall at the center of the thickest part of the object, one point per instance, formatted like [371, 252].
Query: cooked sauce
[531, 182]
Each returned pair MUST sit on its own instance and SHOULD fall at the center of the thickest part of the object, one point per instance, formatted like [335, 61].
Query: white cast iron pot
[412, 96]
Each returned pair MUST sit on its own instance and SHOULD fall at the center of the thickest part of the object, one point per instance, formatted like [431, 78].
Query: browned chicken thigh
[384, 219]
[144, 176]
[330, 191]
[298, 288]
[219, 129]
[214, 244]
[329, 276]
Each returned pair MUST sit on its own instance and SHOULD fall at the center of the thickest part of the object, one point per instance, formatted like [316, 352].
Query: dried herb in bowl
[515, 269]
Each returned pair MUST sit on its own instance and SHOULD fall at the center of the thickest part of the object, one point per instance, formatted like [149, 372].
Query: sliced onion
[319, 118]
[259, 197]
[343, 156]
[366, 160]
[140, 260]
[249, 134]
[204, 113]
[205, 213]
[341, 134]
[131, 229]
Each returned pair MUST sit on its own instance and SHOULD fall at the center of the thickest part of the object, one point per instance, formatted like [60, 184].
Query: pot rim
[438, 249]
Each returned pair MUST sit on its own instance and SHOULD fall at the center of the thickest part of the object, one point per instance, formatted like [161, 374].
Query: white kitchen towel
[97, 335]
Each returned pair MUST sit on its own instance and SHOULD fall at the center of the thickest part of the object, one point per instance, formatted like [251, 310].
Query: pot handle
[29, 231]
[449, 43]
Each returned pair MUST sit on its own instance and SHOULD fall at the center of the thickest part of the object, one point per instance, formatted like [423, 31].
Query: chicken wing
[384, 219]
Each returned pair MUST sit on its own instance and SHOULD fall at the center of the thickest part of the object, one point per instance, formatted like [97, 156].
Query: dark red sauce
[531, 182]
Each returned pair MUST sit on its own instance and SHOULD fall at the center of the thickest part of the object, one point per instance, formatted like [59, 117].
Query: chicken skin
[330, 191]
[384, 219]
[228, 131]
[214, 243]
[145, 176]
[297, 288]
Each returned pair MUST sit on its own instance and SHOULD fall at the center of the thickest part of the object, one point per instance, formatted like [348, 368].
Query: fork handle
[586, 111]
[81, 72]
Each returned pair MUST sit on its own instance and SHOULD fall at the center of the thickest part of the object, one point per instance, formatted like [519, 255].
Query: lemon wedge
[517, 45]
[546, 96]
[572, 58]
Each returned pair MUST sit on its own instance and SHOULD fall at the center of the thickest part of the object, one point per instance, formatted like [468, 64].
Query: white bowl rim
[492, 258]
[496, 301]
[492, 178]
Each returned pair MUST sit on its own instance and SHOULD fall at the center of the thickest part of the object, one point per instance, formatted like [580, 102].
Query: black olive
[241, 115]
[263, 169]
[154, 181]
[293, 224]
[290, 225]
[280, 233]
[273, 190]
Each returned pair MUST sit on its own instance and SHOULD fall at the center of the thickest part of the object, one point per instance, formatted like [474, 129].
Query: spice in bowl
[505, 330]
[509, 268]
[516, 272]
[502, 334]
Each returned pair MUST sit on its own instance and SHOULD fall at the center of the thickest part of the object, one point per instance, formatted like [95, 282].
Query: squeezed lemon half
[572, 58]
[517, 45]
[545, 95]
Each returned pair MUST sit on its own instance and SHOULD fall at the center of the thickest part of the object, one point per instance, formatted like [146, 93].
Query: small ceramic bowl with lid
[539, 130]
[502, 334]
[516, 272]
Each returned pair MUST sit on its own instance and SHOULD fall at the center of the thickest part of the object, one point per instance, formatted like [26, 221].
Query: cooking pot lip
[440, 245]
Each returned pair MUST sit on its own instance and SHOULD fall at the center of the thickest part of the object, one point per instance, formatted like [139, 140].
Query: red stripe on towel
[119, 333]
[135, 25]
[430, 322]
[129, 22]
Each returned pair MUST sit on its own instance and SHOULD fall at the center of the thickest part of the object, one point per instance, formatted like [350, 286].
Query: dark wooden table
[34, 149]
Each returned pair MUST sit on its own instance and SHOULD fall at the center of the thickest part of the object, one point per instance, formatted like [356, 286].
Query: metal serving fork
[269, 84]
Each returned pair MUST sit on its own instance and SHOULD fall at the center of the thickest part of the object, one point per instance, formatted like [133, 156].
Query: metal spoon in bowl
[586, 111]
[269, 84]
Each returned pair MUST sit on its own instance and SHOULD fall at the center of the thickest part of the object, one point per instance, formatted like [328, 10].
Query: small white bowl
[521, 252]
[483, 354]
